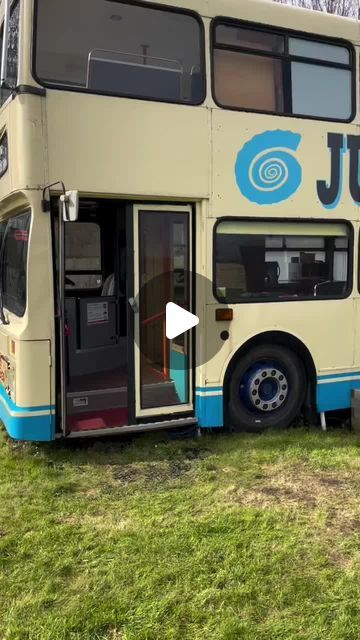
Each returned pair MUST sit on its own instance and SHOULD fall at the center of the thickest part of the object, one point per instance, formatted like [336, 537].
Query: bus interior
[98, 323]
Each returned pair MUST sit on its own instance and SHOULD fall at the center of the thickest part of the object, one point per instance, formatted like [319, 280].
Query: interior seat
[109, 286]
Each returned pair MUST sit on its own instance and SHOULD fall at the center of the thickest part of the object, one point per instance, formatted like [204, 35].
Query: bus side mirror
[70, 206]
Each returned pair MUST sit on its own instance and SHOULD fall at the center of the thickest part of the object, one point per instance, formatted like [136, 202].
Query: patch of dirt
[303, 488]
[354, 524]
[152, 472]
[127, 473]
[332, 482]
[339, 560]
[344, 521]
[280, 493]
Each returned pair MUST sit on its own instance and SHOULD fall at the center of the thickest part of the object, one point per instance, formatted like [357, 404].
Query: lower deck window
[14, 262]
[276, 260]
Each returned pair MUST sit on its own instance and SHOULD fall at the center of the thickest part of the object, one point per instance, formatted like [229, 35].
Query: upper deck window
[12, 51]
[106, 46]
[272, 71]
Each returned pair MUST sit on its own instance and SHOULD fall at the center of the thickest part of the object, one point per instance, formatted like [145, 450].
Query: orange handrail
[166, 351]
[151, 319]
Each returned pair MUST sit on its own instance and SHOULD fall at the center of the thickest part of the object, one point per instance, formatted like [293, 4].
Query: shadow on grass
[164, 446]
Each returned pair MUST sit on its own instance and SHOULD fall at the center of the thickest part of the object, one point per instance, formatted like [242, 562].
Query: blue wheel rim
[264, 387]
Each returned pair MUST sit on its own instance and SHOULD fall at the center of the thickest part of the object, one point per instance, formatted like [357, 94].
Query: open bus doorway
[121, 264]
[96, 317]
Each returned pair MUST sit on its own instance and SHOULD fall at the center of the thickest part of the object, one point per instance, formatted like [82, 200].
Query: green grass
[219, 538]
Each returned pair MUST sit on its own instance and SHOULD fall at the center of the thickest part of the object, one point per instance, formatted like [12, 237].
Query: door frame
[61, 321]
[134, 324]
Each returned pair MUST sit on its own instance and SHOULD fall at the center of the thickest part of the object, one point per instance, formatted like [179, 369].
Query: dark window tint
[2, 232]
[280, 260]
[12, 51]
[249, 38]
[14, 263]
[120, 49]
[13, 45]
[4, 154]
[268, 71]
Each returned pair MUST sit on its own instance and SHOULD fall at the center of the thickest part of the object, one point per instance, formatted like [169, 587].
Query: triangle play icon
[178, 320]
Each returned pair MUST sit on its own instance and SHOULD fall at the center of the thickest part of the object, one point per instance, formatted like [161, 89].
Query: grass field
[226, 537]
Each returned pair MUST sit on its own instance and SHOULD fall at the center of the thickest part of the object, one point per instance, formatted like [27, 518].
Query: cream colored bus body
[142, 150]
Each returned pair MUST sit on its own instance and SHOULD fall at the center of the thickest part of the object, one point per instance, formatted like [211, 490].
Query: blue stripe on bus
[32, 428]
[335, 395]
[332, 395]
[209, 410]
[208, 389]
[26, 426]
[330, 376]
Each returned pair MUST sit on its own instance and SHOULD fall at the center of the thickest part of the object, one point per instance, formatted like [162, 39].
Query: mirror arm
[45, 204]
[69, 201]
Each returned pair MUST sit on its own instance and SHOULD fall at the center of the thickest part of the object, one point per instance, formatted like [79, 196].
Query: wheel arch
[286, 340]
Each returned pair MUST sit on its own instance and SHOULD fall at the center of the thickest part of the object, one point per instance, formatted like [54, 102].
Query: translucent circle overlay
[195, 347]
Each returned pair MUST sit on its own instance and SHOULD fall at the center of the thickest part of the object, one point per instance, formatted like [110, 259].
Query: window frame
[276, 298]
[83, 90]
[289, 58]
[26, 210]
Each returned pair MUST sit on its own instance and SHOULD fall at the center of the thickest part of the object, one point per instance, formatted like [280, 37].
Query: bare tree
[348, 8]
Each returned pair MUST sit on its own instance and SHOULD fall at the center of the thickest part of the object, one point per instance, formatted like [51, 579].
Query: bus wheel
[266, 389]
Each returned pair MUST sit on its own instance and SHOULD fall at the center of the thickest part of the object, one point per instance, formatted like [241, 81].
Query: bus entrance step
[96, 400]
[94, 431]
[159, 394]
[94, 420]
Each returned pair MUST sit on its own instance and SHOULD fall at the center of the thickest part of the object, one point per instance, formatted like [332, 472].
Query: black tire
[244, 416]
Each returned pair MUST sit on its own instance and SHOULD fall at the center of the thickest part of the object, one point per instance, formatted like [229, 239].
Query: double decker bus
[203, 153]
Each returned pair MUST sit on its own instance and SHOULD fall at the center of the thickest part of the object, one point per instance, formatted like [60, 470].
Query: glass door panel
[163, 276]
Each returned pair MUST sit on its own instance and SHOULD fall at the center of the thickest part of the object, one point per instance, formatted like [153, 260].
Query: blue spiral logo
[266, 173]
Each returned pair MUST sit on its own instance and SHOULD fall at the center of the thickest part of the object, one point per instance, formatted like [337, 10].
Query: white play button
[178, 320]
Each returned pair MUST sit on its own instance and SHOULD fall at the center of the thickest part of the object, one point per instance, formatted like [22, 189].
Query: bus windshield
[114, 48]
